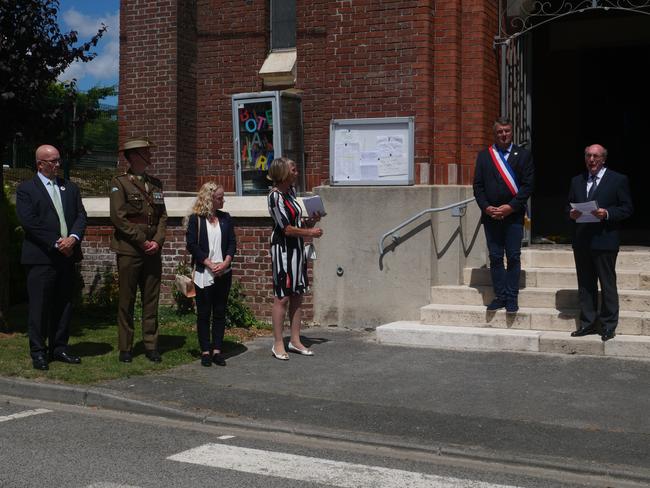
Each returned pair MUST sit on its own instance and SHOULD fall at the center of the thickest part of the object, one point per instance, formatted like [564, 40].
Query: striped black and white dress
[287, 253]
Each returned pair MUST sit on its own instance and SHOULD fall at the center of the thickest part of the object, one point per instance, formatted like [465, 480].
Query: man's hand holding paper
[584, 212]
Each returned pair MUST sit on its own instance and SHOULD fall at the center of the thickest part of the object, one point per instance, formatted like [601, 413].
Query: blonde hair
[203, 204]
[280, 169]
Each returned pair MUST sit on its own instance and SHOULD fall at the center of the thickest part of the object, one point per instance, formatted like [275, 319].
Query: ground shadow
[310, 341]
[87, 349]
[229, 350]
[166, 343]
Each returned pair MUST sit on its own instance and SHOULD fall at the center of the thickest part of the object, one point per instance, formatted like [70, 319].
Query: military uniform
[138, 213]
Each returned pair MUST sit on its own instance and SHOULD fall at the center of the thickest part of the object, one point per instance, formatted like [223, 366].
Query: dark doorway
[589, 86]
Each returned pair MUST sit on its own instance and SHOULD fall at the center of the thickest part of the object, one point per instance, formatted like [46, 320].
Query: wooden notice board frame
[376, 151]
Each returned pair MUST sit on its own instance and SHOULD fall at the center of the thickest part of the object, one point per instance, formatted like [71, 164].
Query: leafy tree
[73, 115]
[33, 53]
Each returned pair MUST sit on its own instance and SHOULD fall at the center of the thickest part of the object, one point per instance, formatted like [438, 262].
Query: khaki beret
[137, 142]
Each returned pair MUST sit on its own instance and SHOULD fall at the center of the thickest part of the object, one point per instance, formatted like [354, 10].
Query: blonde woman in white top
[210, 238]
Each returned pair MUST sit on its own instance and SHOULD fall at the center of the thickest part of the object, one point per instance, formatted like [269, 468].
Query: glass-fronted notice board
[378, 151]
[266, 125]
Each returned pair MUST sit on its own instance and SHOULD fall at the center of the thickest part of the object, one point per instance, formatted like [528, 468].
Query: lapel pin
[62, 188]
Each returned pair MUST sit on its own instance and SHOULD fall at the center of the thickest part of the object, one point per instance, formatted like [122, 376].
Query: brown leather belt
[139, 219]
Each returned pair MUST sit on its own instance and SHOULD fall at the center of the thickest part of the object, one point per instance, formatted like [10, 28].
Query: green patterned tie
[58, 205]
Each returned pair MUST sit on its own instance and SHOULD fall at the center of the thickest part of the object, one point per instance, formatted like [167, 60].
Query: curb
[108, 400]
[90, 397]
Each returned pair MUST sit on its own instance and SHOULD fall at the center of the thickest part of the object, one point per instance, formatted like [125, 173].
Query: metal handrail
[461, 206]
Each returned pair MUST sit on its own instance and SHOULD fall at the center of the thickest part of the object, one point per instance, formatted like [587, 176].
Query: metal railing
[458, 210]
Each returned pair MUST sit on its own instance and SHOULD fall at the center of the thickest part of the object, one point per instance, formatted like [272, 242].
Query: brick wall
[466, 89]
[157, 62]
[181, 61]
[251, 267]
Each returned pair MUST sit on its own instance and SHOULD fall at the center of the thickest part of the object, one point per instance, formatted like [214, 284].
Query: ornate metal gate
[516, 18]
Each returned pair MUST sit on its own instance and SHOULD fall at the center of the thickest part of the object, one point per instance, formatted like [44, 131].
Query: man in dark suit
[595, 244]
[503, 181]
[54, 221]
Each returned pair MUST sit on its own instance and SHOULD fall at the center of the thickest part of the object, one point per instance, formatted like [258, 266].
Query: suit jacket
[40, 221]
[612, 194]
[199, 248]
[491, 190]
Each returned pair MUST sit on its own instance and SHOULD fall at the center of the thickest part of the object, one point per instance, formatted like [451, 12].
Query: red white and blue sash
[504, 169]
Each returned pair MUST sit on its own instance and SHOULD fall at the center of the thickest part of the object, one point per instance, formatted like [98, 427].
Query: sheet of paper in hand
[586, 208]
[314, 205]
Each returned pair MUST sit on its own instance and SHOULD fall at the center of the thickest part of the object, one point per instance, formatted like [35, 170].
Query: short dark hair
[502, 121]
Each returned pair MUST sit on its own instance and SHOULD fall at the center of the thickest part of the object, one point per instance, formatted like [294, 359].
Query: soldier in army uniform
[140, 218]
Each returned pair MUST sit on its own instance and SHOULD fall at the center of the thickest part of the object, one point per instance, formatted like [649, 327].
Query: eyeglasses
[53, 162]
[595, 156]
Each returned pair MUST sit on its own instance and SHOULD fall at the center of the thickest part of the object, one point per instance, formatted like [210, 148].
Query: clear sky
[86, 16]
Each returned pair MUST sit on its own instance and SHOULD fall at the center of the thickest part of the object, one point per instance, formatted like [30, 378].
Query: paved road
[47, 444]
[584, 415]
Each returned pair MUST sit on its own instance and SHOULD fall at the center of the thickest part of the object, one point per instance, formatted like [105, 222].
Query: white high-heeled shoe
[281, 357]
[304, 352]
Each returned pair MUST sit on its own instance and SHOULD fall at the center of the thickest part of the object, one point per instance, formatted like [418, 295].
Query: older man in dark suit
[596, 244]
[54, 220]
[503, 181]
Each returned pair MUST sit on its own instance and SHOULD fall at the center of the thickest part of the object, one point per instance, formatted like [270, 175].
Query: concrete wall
[376, 289]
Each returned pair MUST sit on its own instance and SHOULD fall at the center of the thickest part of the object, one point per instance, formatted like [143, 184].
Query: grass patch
[94, 337]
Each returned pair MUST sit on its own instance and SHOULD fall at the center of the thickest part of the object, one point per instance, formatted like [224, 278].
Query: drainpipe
[504, 80]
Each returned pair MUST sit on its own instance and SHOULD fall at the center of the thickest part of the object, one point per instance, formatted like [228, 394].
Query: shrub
[12, 245]
[104, 291]
[238, 314]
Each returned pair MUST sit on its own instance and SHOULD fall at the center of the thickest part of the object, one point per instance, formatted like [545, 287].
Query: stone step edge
[534, 289]
[569, 313]
[410, 333]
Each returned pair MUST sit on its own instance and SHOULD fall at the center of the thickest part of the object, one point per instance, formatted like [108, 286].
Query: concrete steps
[548, 313]
[556, 277]
[636, 260]
[406, 333]
[558, 298]
[541, 319]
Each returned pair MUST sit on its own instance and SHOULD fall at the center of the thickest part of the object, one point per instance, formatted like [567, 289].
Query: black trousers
[211, 303]
[592, 267]
[49, 290]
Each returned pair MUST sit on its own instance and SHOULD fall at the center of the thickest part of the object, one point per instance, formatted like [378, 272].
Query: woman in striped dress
[288, 255]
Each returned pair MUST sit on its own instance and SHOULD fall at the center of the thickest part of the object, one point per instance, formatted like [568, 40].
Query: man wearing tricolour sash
[503, 181]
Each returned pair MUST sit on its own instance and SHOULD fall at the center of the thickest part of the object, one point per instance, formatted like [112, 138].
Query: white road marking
[226, 437]
[316, 470]
[26, 413]
[110, 485]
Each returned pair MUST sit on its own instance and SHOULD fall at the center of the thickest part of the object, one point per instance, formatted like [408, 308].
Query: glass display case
[266, 125]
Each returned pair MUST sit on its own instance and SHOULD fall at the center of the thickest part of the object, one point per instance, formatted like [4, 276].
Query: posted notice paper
[586, 208]
[313, 205]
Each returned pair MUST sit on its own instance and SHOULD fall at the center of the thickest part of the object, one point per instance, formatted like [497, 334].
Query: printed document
[586, 208]
[314, 204]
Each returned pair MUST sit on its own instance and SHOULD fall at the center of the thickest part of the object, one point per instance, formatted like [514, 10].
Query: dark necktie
[594, 184]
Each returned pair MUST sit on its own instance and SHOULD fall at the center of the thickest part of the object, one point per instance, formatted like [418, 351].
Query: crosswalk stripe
[110, 485]
[310, 469]
[106, 484]
[23, 414]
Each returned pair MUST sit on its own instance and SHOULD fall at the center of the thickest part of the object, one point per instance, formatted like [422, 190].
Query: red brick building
[181, 61]
[565, 84]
